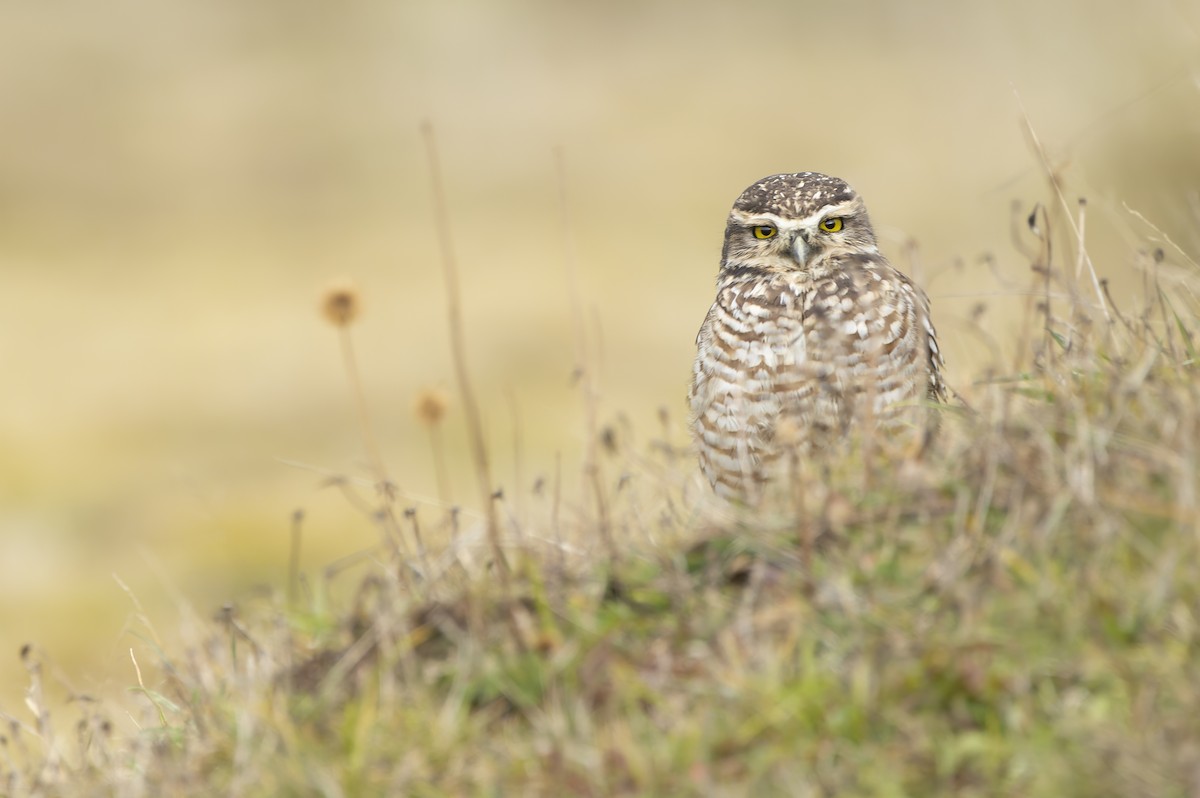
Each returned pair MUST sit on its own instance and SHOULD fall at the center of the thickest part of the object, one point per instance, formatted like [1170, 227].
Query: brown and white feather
[812, 334]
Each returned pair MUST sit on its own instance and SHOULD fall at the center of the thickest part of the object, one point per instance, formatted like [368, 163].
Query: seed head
[340, 304]
[430, 406]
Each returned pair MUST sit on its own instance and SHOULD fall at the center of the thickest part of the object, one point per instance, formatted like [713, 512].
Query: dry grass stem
[1056, 184]
[479, 454]
[341, 304]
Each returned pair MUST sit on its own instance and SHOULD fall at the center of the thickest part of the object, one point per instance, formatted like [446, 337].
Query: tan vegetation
[1014, 615]
[225, 569]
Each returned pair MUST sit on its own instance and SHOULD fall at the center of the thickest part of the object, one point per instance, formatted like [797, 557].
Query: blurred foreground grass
[1019, 614]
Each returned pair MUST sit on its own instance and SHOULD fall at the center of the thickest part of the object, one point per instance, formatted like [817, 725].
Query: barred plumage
[812, 332]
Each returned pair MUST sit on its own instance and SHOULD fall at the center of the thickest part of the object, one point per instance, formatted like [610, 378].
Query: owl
[813, 335]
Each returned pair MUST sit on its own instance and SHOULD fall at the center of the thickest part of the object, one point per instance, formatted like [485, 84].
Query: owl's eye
[832, 224]
[764, 231]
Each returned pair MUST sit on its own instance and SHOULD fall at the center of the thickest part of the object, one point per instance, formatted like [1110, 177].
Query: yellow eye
[832, 224]
[764, 231]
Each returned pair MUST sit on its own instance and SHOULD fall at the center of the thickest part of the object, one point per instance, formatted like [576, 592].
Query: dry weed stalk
[479, 453]
[1056, 185]
[341, 305]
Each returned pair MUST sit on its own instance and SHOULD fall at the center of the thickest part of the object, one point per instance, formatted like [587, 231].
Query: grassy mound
[1018, 613]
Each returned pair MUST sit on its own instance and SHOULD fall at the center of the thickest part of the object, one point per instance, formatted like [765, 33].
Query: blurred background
[179, 181]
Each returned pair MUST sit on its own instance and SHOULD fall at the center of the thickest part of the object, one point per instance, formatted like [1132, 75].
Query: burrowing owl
[812, 333]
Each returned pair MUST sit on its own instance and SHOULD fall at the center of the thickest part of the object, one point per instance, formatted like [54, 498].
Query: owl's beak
[800, 249]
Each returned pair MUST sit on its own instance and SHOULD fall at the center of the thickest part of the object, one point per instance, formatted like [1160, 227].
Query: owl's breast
[751, 342]
[810, 351]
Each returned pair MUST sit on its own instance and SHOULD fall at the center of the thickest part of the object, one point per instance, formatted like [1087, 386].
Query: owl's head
[796, 223]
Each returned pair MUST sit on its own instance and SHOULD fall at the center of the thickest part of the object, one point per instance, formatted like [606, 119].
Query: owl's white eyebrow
[825, 213]
[766, 219]
[841, 209]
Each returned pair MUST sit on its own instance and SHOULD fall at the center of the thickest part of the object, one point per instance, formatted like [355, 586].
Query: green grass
[1017, 614]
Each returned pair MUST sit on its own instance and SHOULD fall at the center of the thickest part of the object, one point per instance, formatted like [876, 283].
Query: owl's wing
[871, 325]
[936, 391]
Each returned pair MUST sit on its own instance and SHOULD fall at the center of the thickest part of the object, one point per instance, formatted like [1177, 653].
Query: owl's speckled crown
[795, 195]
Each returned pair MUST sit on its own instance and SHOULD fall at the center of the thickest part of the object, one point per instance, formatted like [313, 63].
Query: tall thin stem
[479, 455]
